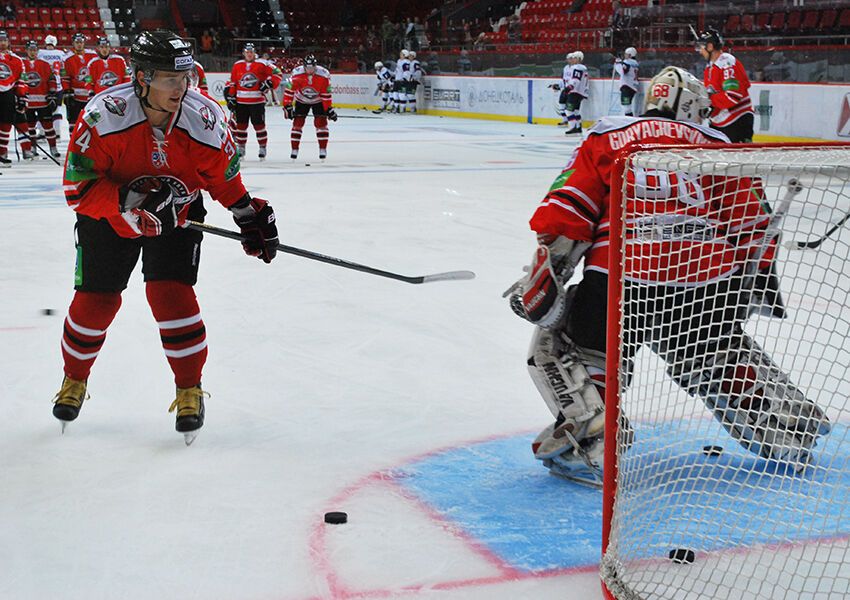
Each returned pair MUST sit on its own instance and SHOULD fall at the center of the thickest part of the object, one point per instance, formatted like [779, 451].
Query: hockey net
[758, 506]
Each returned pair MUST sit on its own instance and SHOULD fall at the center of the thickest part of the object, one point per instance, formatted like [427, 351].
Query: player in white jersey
[577, 91]
[627, 69]
[402, 77]
[415, 81]
[566, 77]
[385, 85]
[56, 58]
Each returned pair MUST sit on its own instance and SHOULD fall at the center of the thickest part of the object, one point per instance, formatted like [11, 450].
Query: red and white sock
[181, 329]
[89, 316]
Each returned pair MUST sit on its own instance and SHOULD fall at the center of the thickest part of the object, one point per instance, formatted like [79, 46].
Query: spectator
[387, 32]
[8, 12]
[464, 65]
[514, 29]
[419, 31]
[207, 42]
[467, 36]
[480, 42]
[410, 41]
[778, 69]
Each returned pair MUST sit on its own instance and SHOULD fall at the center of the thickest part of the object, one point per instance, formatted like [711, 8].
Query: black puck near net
[712, 450]
[336, 518]
[682, 556]
[47, 311]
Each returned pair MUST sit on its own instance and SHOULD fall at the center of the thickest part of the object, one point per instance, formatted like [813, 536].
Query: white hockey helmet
[578, 55]
[379, 65]
[50, 40]
[411, 55]
[630, 52]
[405, 54]
[678, 93]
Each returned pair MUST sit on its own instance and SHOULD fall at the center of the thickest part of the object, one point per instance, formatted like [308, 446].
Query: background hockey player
[42, 98]
[56, 58]
[76, 83]
[705, 274]
[106, 69]
[627, 70]
[309, 89]
[728, 87]
[400, 84]
[249, 79]
[385, 85]
[13, 99]
[415, 81]
[136, 164]
[575, 91]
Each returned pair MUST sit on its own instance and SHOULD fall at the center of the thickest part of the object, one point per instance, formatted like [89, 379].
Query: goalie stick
[812, 244]
[233, 235]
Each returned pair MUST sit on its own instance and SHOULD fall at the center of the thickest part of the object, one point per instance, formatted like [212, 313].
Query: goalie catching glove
[540, 297]
[256, 219]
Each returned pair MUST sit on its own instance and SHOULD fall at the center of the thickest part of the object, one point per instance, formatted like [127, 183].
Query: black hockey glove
[68, 99]
[332, 114]
[256, 219]
[151, 208]
[266, 86]
[21, 104]
[288, 111]
[52, 101]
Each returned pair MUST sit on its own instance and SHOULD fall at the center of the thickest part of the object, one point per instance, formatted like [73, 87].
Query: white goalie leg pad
[754, 399]
[558, 369]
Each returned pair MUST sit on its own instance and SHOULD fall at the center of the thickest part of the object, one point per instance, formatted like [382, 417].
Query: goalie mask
[678, 95]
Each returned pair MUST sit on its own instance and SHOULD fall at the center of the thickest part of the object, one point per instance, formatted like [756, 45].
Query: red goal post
[661, 485]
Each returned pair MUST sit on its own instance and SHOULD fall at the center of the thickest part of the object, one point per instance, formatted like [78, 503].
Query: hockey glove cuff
[256, 220]
[20, 104]
[288, 111]
[150, 212]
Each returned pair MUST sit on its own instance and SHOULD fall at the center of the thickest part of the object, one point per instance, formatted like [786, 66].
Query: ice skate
[189, 404]
[323, 153]
[240, 150]
[54, 152]
[378, 111]
[262, 153]
[294, 154]
[573, 130]
[5, 162]
[28, 155]
[581, 466]
[68, 400]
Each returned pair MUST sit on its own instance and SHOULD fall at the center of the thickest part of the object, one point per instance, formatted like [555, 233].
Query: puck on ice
[336, 518]
[712, 450]
[47, 311]
[306, 164]
[682, 556]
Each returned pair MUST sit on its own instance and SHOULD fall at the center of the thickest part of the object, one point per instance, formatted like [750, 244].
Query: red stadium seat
[793, 23]
[827, 20]
[748, 23]
[810, 20]
[763, 21]
[777, 21]
[844, 19]
[733, 24]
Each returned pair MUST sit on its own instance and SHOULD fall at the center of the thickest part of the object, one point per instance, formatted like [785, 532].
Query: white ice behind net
[760, 528]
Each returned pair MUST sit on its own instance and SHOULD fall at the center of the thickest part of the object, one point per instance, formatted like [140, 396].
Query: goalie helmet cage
[675, 480]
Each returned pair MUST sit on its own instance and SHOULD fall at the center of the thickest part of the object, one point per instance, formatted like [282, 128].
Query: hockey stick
[233, 235]
[812, 244]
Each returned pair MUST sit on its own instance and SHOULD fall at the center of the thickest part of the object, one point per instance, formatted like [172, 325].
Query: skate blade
[189, 437]
[63, 425]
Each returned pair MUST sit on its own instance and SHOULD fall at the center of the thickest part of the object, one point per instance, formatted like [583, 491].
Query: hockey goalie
[698, 256]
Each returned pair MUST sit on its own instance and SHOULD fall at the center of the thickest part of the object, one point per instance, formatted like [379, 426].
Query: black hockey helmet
[102, 41]
[160, 50]
[4, 35]
[249, 47]
[310, 61]
[79, 37]
[31, 45]
[711, 36]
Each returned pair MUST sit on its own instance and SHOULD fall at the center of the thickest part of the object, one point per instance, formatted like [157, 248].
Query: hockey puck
[306, 164]
[712, 450]
[336, 518]
[682, 556]
[47, 311]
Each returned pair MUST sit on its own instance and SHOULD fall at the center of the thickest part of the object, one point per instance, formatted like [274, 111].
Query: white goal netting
[732, 455]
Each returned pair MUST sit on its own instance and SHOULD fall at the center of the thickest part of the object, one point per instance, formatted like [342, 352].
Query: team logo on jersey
[82, 73]
[33, 79]
[309, 93]
[159, 159]
[207, 117]
[108, 79]
[115, 105]
[5, 71]
[249, 80]
[844, 120]
[179, 190]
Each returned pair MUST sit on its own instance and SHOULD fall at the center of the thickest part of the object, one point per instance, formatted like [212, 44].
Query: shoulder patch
[298, 70]
[323, 72]
[725, 60]
[203, 120]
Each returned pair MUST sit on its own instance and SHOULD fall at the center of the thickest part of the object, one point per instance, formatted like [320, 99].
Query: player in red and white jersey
[198, 79]
[106, 69]
[138, 158]
[13, 102]
[249, 78]
[728, 87]
[696, 245]
[56, 57]
[309, 89]
[41, 97]
[76, 82]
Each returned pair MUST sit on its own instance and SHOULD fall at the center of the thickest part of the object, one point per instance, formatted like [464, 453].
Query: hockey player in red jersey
[107, 69]
[704, 271]
[41, 96]
[13, 99]
[76, 82]
[137, 162]
[56, 58]
[728, 87]
[249, 78]
[309, 88]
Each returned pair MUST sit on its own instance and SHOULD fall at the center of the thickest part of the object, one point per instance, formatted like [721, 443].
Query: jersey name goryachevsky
[692, 229]
[113, 145]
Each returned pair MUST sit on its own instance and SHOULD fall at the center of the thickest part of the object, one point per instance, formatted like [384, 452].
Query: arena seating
[76, 16]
